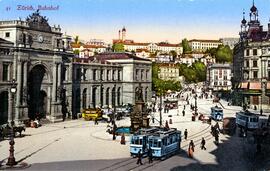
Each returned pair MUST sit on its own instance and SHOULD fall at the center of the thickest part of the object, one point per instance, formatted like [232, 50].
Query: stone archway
[37, 101]
[3, 107]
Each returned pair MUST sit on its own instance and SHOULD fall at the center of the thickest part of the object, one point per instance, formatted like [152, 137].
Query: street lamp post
[114, 111]
[11, 158]
[160, 110]
[262, 75]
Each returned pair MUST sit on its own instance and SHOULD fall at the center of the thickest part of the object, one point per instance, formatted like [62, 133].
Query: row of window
[139, 74]
[81, 74]
[224, 77]
[225, 83]
[255, 75]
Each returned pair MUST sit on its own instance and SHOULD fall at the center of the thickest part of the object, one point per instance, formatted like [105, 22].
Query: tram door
[144, 144]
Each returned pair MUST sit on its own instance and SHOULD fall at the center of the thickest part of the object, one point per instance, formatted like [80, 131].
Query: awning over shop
[255, 86]
[244, 85]
[268, 86]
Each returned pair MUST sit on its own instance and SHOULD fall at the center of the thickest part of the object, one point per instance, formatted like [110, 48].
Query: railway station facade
[51, 82]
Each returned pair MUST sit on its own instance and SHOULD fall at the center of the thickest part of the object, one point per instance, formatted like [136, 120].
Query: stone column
[59, 82]
[89, 96]
[54, 83]
[49, 99]
[19, 88]
[10, 105]
[25, 91]
[98, 96]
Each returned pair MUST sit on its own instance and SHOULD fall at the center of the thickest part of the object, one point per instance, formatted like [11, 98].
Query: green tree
[186, 47]
[200, 71]
[173, 54]
[224, 54]
[212, 52]
[76, 51]
[118, 47]
[162, 86]
[76, 40]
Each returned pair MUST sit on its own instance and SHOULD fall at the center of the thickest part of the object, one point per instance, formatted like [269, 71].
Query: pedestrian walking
[191, 145]
[185, 134]
[123, 140]
[203, 144]
[184, 107]
[139, 160]
[150, 155]
[96, 121]
[183, 112]
[167, 125]
[216, 138]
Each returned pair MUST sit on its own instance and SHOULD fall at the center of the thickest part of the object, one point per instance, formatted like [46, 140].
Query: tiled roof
[141, 50]
[168, 45]
[204, 40]
[136, 44]
[94, 46]
[116, 56]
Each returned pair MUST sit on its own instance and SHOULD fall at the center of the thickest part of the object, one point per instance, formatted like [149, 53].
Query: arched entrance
[84, 98]
[37, 101]
[3, 107]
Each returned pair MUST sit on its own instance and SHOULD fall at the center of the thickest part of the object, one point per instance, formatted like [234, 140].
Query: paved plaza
[80, 145]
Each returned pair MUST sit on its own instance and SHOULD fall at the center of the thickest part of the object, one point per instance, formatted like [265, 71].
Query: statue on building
[139, 94]
[37, 21]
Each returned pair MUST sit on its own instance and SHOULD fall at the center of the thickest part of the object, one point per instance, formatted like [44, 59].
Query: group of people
[149, 154]
[192, 145]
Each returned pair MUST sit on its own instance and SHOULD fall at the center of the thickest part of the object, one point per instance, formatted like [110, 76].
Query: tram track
[117, 163]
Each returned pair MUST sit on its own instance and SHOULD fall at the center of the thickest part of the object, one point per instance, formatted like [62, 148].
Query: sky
[144, 20]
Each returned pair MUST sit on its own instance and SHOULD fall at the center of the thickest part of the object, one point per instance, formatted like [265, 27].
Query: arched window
[113, 97]
[119, 96]
[84, 98]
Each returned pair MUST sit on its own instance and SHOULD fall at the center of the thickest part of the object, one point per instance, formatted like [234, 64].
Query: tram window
[253, 119]
[155, 143]
[159, 144]
[140, 142]
[136, 141]
[170, 140]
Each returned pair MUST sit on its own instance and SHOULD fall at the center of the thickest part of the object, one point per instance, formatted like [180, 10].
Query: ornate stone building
[251, 64]
[52, 82]
[38, 57]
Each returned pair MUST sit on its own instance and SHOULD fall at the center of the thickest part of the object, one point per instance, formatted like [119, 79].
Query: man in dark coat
[185, 134]
[139, 161]
[191, 145]
[203, 144]
[150, 155]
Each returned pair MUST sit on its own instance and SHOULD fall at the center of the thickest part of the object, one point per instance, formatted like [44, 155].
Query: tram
[250, 120]
[139, 141]
[164, 143]
[217, 113]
